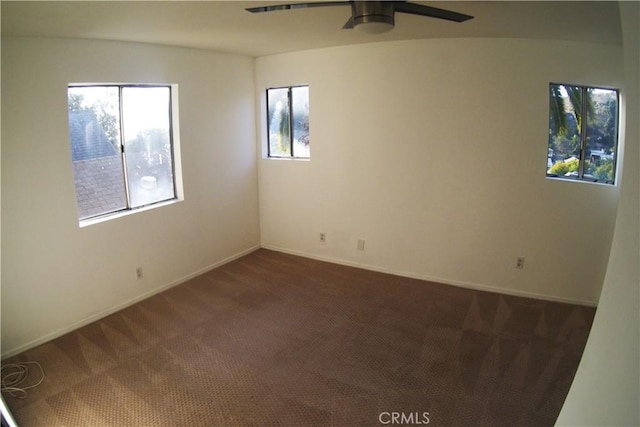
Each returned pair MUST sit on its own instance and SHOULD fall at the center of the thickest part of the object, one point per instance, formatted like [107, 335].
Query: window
[583, 133]
[288, 122]
[121, 147]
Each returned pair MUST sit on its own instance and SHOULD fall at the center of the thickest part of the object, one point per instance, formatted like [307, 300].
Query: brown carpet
[274, 339]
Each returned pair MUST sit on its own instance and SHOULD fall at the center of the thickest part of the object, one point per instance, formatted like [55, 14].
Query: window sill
[583, 181]
[111, 216]
[300, 159]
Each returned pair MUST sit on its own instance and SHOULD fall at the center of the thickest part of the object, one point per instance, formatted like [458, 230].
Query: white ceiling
[226, 27]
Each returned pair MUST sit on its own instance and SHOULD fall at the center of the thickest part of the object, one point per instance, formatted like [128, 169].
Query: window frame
[583, 135]
[128, 209]
[291, 121]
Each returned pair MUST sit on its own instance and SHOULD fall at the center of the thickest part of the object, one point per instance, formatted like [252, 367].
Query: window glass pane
[300, 107]
[565, 107]
[279, 124]
[148, 151]
[94, 131]
[602, 118]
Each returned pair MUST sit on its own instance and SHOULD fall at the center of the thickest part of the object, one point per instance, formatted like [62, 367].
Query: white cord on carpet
[14, 374]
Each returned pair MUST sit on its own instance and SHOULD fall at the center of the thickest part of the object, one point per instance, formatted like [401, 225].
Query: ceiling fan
[373, 17]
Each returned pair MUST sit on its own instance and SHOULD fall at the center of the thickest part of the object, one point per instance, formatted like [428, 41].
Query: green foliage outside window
[583, 127]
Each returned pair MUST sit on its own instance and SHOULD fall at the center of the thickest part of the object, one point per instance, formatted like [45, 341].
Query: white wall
[56, 275]
[605, 389]
[434, 152]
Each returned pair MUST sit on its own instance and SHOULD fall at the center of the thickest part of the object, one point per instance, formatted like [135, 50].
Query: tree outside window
[121, 146]
[288, 122]
[583, 133]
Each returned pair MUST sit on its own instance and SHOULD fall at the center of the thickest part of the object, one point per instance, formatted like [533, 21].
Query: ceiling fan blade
[296, 6]
[433, 12]
[348, 25]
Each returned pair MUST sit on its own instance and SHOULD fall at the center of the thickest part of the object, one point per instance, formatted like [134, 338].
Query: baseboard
[461, 284]
[118, 307]
[109, 311]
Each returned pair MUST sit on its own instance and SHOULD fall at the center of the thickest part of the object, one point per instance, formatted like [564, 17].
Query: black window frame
[291, 121]
[584, 150]
[122, 153]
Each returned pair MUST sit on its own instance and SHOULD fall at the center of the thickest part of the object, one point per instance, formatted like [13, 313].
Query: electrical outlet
[360, 245]
[323, 237]
[139, 272]
[520, 262]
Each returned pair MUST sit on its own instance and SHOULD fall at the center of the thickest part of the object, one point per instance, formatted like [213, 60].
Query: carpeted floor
[274, 339]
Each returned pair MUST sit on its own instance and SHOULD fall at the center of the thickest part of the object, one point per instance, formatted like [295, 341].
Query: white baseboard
[111, 310]
[461, 284]
[118, 307]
